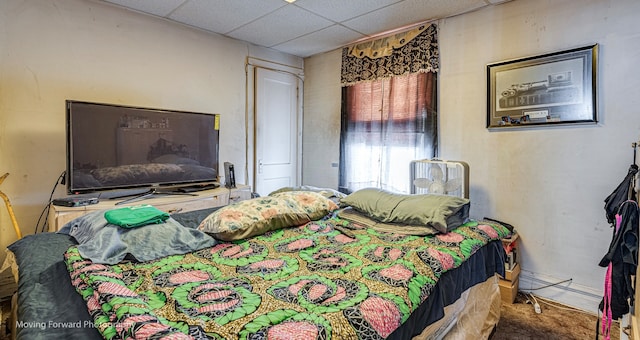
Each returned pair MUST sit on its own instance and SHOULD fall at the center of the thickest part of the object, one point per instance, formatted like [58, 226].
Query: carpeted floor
[519, 321]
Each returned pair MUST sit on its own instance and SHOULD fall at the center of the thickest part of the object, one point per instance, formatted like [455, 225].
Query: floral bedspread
[328, 279]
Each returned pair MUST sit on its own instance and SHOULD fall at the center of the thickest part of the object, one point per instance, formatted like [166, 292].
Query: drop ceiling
[304, 27]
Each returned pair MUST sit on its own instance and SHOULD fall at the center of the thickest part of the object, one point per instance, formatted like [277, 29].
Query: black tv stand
[148, 194]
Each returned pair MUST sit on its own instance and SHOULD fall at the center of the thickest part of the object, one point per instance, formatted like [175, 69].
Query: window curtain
[389, 106]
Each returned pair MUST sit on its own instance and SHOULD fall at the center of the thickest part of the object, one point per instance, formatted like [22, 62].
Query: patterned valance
[412, 51]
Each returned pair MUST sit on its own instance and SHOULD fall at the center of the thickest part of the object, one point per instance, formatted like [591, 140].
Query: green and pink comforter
[307, 282]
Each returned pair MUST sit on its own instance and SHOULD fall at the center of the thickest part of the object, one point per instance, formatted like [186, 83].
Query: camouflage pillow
[262, 214]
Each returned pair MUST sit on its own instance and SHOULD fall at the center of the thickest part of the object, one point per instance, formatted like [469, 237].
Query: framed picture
[554, 88]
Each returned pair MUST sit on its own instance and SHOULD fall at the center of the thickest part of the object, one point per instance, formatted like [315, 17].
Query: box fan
[434, 176]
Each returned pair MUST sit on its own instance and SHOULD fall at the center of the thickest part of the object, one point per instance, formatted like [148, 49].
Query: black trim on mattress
[483, 264]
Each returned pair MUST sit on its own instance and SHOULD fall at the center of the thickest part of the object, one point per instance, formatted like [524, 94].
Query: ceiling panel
[305, 27]
[341, 10]
[410, 12]
[321, 41]
[285, 24]
[223, 16]
[156, 7]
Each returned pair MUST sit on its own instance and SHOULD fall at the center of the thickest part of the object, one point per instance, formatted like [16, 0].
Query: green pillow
[377, 203]
[439, 211]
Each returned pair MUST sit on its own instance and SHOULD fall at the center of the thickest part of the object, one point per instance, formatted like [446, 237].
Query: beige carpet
[519, 321]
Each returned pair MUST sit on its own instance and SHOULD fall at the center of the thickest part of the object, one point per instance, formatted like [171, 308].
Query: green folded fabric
[137, 216]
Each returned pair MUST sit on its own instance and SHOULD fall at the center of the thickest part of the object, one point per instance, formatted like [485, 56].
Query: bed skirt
[473, 316]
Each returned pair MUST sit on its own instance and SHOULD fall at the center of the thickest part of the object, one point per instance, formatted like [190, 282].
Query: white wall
[55, 50]
[548, 182]
[321, 124]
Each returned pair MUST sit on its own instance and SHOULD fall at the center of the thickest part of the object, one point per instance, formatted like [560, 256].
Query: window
[387, 123]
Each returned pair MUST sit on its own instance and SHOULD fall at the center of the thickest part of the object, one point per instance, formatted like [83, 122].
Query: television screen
[115, 147]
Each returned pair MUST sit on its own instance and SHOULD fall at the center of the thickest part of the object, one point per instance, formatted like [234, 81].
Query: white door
[277, 130]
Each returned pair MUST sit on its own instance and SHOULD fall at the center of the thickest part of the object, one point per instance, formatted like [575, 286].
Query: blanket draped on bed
[312, 281]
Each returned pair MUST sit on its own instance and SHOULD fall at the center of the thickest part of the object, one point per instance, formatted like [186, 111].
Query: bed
[313, 269]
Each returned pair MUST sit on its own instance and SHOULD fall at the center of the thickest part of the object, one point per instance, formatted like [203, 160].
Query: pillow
[329, 193]
[45, 280]
[354, 216]
[262, 214]
[315, 204]
[102, 242]
[439, 211]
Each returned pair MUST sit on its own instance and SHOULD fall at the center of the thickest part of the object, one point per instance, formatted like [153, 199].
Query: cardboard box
[513, 274]
[508, 290]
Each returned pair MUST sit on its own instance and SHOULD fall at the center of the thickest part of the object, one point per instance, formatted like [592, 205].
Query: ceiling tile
[321, 41]
[156, 7]
[284, 24]
[341, 10]
[305, 27]
[410, 12]
[223, 16]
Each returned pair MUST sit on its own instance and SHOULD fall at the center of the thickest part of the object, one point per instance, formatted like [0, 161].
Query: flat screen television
[112, 147]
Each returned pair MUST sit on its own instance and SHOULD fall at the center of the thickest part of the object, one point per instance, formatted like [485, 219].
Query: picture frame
[549, 89]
